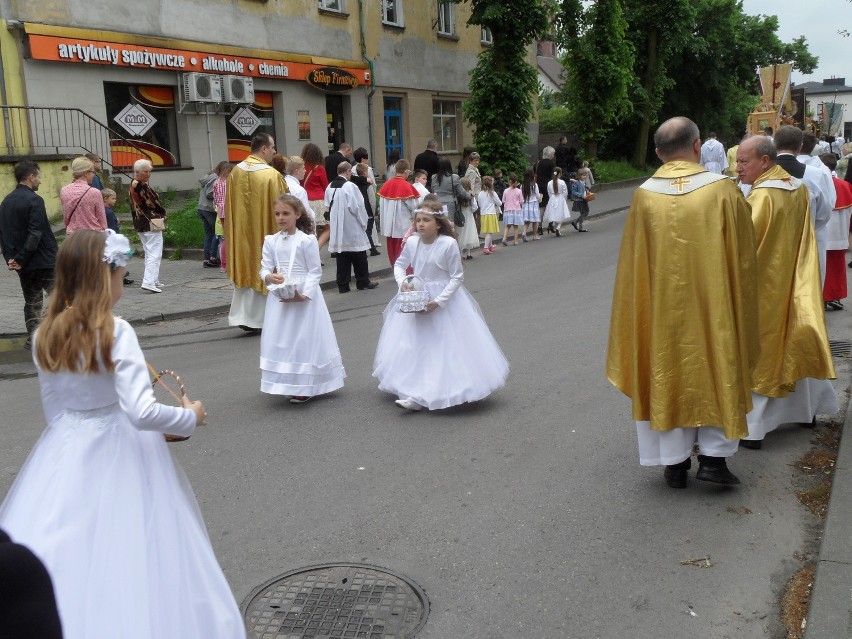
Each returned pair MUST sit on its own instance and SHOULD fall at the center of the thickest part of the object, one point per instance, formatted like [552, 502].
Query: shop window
[445, 124]
[337, 6]
[485, 36]
[446, 19]
[392, 12]
[239, 137]
[145, 115]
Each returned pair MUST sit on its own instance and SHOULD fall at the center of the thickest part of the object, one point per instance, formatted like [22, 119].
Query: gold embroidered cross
[680, 183]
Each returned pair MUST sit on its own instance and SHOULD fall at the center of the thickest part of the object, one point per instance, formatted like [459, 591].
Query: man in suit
[428, 161]
[788, 142]
[333, 160]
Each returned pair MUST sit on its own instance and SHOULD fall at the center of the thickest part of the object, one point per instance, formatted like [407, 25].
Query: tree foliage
[690, 57]
[503, 85]
[598, 58]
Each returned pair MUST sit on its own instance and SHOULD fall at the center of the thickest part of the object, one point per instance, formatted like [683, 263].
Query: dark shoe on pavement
[300, 399]
[208, 264]
[751, 444]
[375, 252]
[574, 224]
[715, 470]
[675, 474]
[127, 281]
[343, 289]
[249, 329]
[368, 286]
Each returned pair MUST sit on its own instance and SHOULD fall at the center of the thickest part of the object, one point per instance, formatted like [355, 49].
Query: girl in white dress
[299, 356]
[531, 212]
[446, 355]
[468, 237]
[557, 212]
[100, 500]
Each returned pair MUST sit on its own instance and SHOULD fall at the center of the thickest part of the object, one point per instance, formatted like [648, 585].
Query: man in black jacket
[27, 242]
[333, 160]
[428, 161]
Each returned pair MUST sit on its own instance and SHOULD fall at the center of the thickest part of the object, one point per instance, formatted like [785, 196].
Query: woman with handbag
[149, 220]
[82, 204]
[315, 183]
[448, 188]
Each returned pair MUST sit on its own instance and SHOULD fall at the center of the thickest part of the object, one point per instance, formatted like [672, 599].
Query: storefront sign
[245, 121]
[331, 79]
[82, 51]
[135, 120]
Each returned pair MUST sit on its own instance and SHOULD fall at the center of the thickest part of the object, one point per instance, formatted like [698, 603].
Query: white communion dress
[448, 356]
[299, 355]
[101, 502]
[557, 209]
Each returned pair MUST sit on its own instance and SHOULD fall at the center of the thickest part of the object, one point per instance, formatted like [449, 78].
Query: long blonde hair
[76, 333]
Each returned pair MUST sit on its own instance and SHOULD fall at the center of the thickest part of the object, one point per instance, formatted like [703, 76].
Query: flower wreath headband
[444, 212]
[117, 250]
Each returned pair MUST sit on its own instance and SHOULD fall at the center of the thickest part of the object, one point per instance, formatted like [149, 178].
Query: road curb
[830, 613]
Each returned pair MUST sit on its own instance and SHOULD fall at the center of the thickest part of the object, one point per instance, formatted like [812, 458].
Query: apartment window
[445, 125]
[392, 12]
[446, 19]
[485, 36]
[332, 5]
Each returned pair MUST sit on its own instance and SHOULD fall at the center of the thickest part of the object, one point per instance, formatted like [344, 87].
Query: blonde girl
[100, 500]
[489, 205]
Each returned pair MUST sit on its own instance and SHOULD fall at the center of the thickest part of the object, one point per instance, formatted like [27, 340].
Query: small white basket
[415, 300]
[287, 290]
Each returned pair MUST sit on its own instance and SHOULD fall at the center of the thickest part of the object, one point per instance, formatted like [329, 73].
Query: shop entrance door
[334, 121]
[393, 126]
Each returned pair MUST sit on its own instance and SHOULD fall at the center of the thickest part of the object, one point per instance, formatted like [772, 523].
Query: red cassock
[835, 260]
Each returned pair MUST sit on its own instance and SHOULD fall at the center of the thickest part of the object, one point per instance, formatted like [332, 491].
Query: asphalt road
[525, 515]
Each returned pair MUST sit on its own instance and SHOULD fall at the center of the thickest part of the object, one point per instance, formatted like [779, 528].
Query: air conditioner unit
[238, 89]
[202, 87]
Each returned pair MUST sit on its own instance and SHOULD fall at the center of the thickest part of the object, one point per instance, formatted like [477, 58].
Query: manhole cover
[337, 600]
[841, 349]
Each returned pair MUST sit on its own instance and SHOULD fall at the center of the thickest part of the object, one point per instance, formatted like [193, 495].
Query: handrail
[32, 130]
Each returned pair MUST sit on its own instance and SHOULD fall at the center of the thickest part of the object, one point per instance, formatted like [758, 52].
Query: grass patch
[617, 170]
[796, 601]
[184, 228]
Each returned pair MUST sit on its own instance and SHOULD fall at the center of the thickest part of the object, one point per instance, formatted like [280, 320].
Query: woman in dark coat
[543, 174]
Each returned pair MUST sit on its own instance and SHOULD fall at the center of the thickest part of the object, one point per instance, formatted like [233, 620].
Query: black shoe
[127, 281]
[375, 252]
[558, 234]
[675, 474]
[583, 231]
[574, 224]
[249, 329]
[751, 444]
[715, 471]
[343, 289]
[367, 286]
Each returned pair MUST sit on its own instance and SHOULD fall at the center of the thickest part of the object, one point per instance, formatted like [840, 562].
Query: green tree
[503, 85]
[599, 60]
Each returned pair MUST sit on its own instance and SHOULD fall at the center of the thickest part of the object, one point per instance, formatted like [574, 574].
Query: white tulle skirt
[115, 521]
[439, 359]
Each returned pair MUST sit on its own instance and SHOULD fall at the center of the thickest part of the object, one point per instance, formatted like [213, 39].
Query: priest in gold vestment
[252, 188]
[790, 381]
[684, 335]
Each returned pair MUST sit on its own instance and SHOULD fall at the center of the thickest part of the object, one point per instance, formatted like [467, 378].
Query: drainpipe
[371, 93]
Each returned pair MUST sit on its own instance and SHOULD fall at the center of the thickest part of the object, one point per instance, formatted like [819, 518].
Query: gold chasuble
[684, 337]
[793, 337]
[252, 188]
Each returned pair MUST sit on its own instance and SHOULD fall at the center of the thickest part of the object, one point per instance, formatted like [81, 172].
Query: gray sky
[819, 21]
